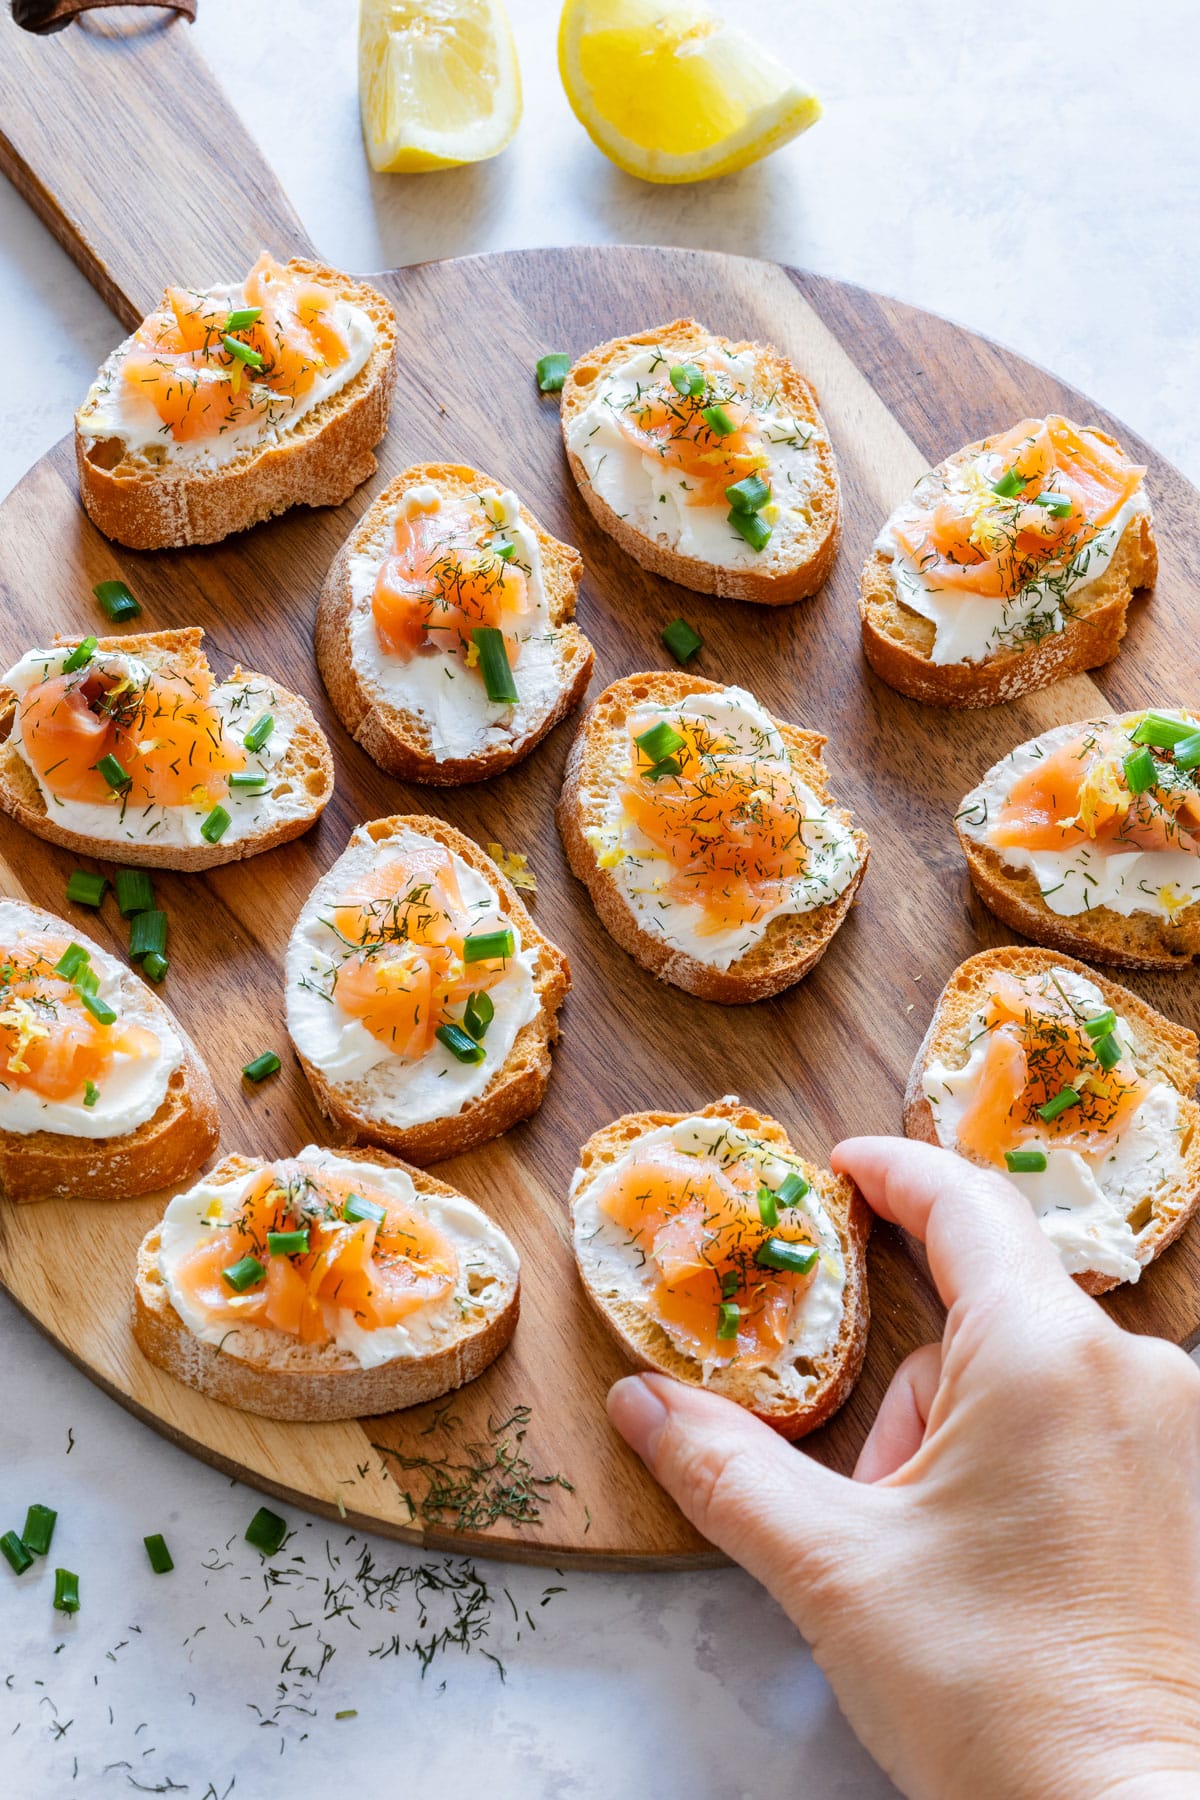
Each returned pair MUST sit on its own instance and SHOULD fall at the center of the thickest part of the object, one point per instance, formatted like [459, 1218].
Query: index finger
[981, 1235]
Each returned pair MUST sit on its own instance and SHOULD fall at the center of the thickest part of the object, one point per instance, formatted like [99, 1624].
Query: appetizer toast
[678, 812]
[446, 599]
[331, 1285]
[698, 1275]
[707, 461]
[230, 405]
[1083, 1094]
[102, 1093]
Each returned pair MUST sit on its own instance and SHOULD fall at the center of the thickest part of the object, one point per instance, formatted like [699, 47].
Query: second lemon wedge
[671, 92]
[438, 82]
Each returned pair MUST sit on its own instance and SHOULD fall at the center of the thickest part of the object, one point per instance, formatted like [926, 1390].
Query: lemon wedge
[671, 92]
[438, 82]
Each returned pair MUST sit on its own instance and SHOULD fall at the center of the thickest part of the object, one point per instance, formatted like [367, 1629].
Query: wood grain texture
[899, 390]
[126, 105]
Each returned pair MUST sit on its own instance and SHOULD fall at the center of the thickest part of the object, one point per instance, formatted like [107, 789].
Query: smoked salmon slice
[447, 576]
[1080, 793]
[712, 442]
[50, 1042]
[1032, 499]
[699, 1223]
[1038, 1051]
[377, 1271]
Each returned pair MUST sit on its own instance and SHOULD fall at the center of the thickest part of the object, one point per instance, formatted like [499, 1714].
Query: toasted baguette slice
[831, 1375]
[791, 945]
[517, 1087]
[898, 642]
[1164, 1052]
[1141, 941]
[795, 563]
[167, 1148]
[271, 1373]
[156, 505]
[398, 738]
[301, 781]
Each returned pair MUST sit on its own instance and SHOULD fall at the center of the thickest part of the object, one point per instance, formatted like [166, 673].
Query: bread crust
[1168, 1050]
[308, 762]
[1141, 941]
[645, 1341]
[309, 1382]
[181, 1136]
[518, 1087]
[813, 559]
[319, 463]
[395, 738]
[897, 642]
[790, 946]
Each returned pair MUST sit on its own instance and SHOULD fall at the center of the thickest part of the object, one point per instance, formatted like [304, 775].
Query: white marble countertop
[1037, 180]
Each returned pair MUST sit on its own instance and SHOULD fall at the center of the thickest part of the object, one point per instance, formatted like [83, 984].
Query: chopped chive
[1108, 1051]
[478, 1014]
[728, 1314]
[288, 1243]
[15, 1554]
[116, 601]
[670, 765]
[248, 784]
[687, 380]
[1187, 752]
[135, 893]
[1025, 1162]
[39, 1529]
[505, 551]
[262, 1066]
[460, 1045]
[91, 1093]
[80, 656]
[113, 773]
[347, 1712]
[1057, 505]
[358, 1210]
[244, 1273]
[682, 640]
[258, 733]
[216, 825]
[1140, 773]
[159, 1555]
[751, 527]
[489, 946]
[1009, 485]
[498, 680]
[661, 740]
[252, 358]
[243, 318]
[154, 966]
[768, 1208]
[729, 1284]
[100, 1010]
[148, 935]
[1102, 1024]
[747, 495]
[66, 1591]
[792, 1259]
[1162, 732]
[73, 958]
[266, 1531]
[86, 980]
[793, 1187]
[86, 889]
[1065, 1098]
[551, 371]
[718, 421]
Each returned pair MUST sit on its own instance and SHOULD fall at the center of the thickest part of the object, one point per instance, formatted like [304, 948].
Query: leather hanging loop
[43, 17]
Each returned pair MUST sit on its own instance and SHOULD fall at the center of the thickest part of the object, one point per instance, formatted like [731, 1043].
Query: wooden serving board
[899, 389]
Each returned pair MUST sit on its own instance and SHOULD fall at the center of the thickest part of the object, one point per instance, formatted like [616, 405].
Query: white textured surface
[1036, 178]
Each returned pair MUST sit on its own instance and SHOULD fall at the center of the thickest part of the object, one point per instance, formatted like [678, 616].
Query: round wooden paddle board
[899, 389]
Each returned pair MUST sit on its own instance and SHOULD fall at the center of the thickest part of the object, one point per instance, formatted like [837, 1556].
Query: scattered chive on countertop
[551, 371]
[262, 1066]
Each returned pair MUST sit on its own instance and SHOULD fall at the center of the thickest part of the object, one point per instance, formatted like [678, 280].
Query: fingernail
[638, 1414]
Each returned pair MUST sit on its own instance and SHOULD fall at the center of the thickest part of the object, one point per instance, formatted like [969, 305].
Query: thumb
[788, 1520]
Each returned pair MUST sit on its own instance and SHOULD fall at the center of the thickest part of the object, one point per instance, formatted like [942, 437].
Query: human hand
[1006, 1598]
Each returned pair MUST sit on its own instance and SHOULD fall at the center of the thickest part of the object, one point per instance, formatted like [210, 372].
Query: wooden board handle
[120, 138]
